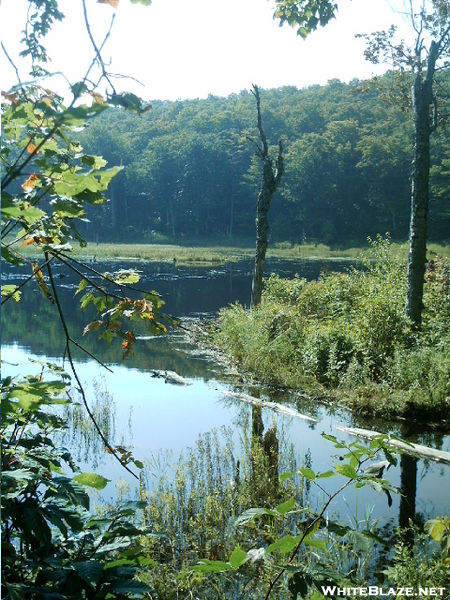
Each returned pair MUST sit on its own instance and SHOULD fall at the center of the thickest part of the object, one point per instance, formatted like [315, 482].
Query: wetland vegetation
[345, 336]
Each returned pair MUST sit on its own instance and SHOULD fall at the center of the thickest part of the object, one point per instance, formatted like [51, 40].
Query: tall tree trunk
[270, 181]
[422, 101]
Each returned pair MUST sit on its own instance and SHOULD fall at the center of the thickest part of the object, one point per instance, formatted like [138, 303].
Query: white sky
[191, 48]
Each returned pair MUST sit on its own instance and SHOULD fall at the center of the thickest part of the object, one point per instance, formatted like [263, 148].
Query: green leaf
[320, 544]
[253, 513]
[238, 557]
[285, 506]
[347, 471]
[285, 476]
[131, 586]
[212, 566]
[38, 525]
[435, 528]
[285, 544]
[90, 571]
[298, 584]
[307, 473]
[11, 291]
[92, 480]
[325, 474]
[11, 257]
[16, 591]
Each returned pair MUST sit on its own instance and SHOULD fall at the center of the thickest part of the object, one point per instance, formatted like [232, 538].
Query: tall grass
[218, 255]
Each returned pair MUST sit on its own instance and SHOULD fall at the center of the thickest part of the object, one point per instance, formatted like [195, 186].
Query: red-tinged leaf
[32, 148]
[98, 98]
[30, 183]
[14, 98]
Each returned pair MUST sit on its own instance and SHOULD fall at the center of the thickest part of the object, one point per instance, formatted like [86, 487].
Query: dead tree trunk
[423, 100]
[269, 183]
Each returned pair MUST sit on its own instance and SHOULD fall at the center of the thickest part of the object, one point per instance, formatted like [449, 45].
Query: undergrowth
[346, 333]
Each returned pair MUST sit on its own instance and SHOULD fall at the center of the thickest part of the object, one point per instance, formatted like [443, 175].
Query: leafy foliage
[306, 15]
[311, 556]
[52, 546]
[347, 332]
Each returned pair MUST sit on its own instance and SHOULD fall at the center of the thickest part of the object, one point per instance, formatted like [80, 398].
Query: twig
[12, 64]
[98, 56]
[72, 365]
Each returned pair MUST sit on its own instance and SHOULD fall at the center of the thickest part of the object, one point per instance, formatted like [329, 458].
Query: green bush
[348, 331]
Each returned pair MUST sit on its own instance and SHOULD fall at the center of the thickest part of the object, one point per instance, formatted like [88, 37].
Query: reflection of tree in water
[81, 435]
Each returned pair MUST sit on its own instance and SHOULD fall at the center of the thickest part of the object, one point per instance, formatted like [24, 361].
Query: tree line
[191, 172]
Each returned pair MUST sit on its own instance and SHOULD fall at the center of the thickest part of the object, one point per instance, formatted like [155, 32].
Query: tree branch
[69, 340]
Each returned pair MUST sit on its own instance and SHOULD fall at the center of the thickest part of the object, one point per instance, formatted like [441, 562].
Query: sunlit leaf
[285, 506]
[307, 473]
[238, 557]
[325, 474]
[212, 566]
[91, 480]
[32, 148]
[285, 544]
[347, 471]
[31, 182]
[286, 475]
[435, 528]
[11, 291]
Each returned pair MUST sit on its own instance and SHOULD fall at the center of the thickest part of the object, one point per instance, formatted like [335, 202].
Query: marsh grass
[219, 255]
[198, 509]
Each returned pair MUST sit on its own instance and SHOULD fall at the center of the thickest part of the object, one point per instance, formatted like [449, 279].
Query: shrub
[348, 330]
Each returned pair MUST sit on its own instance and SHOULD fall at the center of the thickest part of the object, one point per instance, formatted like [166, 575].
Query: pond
[156, 418]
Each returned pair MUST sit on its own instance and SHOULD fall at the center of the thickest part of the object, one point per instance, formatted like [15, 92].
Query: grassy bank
[219, 255]
[345, 336]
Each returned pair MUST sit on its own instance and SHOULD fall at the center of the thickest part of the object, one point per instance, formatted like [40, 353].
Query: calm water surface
[154, 417]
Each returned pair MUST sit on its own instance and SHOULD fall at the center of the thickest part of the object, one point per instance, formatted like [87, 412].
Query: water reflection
[155, 418]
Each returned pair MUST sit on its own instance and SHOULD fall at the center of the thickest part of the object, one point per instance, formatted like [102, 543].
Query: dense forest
[190, 172]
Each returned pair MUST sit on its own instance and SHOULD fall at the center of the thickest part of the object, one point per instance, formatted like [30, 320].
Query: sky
[180, 49]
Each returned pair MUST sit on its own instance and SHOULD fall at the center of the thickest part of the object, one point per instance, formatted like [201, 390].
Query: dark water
[155, 417]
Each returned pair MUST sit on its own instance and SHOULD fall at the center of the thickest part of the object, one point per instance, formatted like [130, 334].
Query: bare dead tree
[270, 180]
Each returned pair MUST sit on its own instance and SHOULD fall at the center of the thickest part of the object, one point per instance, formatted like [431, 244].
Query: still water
[155, 418]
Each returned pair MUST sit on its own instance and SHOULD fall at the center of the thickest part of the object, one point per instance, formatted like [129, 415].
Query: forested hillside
[190, 173]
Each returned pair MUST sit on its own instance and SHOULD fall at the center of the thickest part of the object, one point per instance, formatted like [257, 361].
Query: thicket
[346, 334]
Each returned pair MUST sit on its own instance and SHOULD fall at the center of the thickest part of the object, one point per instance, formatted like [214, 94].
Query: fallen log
[170, 377]
[279, 408]
[408, 447]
